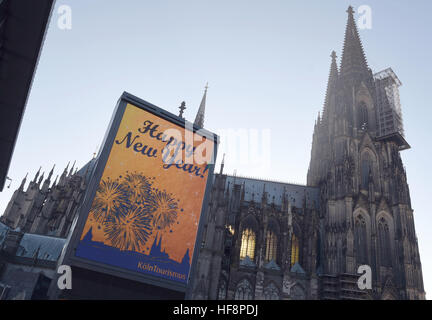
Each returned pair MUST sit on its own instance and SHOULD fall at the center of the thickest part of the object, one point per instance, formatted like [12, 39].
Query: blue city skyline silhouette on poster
[131, 260]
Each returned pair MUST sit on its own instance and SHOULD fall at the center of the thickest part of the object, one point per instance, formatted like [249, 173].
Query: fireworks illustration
[130, 210]
[109, 196]
[130, 229]
[165, 213]
[138, 186]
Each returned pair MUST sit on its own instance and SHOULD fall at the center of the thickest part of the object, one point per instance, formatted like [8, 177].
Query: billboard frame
[68, 256]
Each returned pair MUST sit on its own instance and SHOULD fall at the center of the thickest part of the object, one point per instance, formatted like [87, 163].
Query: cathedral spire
[64, 175]
[66, 169]
[47, 181]
[51, 173]
[222, 164]
[71, 170]
[331, 84]
[23, 182]
[199, 119]
[41, 178]
[55, 181]
[37, 175]
[353, 57]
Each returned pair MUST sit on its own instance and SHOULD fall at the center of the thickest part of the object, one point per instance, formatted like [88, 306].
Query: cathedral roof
[87, 169]
[296, 193]
[46, 248]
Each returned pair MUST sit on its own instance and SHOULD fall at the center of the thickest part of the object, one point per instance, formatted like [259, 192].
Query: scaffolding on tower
[390, 123]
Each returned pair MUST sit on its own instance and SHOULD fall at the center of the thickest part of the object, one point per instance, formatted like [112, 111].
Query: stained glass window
[271, 246]
[362, 116]
[366, 167]
[271, 292]
[360, 240]
[222, 290]
[243, 291]
[247, 244]
[384, 242]
[294, 250]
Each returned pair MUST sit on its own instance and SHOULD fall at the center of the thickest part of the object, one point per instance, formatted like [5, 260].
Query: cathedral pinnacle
[51, 173]
[55, 181]
[222, 164]
[23, 182]
[37, 175]
[41, 178]
[331, 83]
[66, 169]
[333, 56]
[353, 58]
[71, 170]
[199, 119]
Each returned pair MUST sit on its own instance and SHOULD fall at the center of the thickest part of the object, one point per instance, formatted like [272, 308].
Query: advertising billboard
[143, 213]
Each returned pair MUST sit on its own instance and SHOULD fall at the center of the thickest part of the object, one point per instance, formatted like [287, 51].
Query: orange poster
[145, 214]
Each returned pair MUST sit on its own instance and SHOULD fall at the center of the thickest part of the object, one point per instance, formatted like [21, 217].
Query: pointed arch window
[247, 248]
[295, 253]
[297, 293]
[366, 170]
[222, 290]
[243, 291]
[384, 242]
[271, 292]
[271, 246]
[362, 116]
[360, 240]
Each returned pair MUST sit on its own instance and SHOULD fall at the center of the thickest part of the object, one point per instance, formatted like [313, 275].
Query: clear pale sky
[266, 62]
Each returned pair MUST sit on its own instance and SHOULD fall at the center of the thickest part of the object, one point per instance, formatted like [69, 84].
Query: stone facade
[283, 262]
[361, 214]
[365, 202]
[45, 208]
[33, 231]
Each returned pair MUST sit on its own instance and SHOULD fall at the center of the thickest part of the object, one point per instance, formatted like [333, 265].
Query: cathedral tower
[355, 161]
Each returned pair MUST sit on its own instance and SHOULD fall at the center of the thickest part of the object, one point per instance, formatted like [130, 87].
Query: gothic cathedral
[266, 239]
[269, 240]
